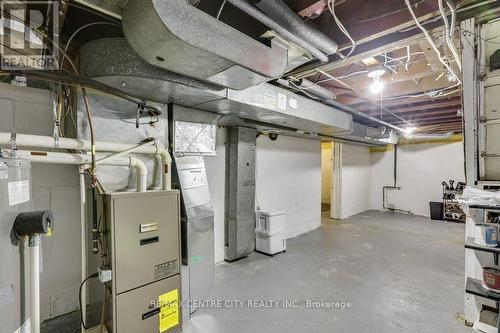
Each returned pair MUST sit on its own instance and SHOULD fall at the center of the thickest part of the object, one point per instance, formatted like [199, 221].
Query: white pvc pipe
[79, 159]
[138, 165]
[166, 168]
[40, 141]
[35, 286]
[43, 141]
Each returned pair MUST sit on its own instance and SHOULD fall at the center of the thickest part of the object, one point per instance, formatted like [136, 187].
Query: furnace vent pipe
[267, 21]
[288, 19]
[80, 159]
[47, 142]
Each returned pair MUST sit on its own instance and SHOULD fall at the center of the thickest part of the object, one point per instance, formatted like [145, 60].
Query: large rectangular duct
[240, 193]
[177, 36]
[267, 103]
[191, 137]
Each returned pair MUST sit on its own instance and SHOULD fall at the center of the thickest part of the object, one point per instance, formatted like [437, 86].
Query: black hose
[82, 320]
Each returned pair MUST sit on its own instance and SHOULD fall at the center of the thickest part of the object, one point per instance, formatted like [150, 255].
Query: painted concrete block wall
[55, 187]
[326, 172]
[356, 180]
[421, 169]
[288, 174]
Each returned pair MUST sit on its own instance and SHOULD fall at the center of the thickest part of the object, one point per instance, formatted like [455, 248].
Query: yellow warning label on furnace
[169, 311]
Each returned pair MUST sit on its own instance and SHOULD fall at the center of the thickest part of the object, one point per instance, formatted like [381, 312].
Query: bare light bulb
[376, 87]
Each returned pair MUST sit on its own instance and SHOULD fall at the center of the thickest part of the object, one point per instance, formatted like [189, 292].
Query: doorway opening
[326, 177]
[331, 180]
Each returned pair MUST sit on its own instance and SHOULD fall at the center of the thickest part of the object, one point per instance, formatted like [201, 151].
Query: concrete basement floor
[401, 274]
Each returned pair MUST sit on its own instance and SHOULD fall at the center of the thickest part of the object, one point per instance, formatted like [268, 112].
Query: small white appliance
[270, 232]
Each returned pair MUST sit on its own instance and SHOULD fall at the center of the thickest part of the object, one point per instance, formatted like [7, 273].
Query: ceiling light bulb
[410, 129]
[376, 87]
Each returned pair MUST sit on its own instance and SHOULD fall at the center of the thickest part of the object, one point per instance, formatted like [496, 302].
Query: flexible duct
[288, 19]
[267, 21]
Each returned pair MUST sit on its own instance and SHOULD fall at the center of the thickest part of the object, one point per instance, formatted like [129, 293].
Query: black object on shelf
[495, 60]
[469, 244]
[475, 287]
[436, 210]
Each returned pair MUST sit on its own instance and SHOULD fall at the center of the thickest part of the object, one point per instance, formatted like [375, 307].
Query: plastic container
[486, 235]
[491, 279]
[436, 210]
[271, 222]
[270, 243]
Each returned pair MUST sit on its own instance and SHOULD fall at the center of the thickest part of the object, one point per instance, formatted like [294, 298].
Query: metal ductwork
[178, 37]
[288, 19]
[112, 61]
[268, 104]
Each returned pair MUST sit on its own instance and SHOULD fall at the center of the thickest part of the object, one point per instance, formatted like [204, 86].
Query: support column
[240, 193]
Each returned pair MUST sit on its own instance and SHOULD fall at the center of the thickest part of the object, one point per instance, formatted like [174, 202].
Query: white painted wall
[356, 180]
[55, 187]
[289, 179]
[421, 169]
[288, 173]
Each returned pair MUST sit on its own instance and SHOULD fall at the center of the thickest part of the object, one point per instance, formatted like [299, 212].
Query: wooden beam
[447, 105]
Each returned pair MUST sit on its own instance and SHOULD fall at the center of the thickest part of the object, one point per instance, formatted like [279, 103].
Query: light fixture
[376, 86]
[375, 73]
[410, 130]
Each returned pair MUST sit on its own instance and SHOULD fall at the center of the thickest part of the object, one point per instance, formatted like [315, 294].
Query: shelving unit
[474, 286]
[469, 244]
[451, 208]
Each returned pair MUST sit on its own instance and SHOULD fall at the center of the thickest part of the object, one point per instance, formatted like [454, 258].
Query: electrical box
[144, 242]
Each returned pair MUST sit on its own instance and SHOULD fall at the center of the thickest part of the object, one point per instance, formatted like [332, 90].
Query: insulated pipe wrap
[254, 12]
[31, 223]
[284, 16]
